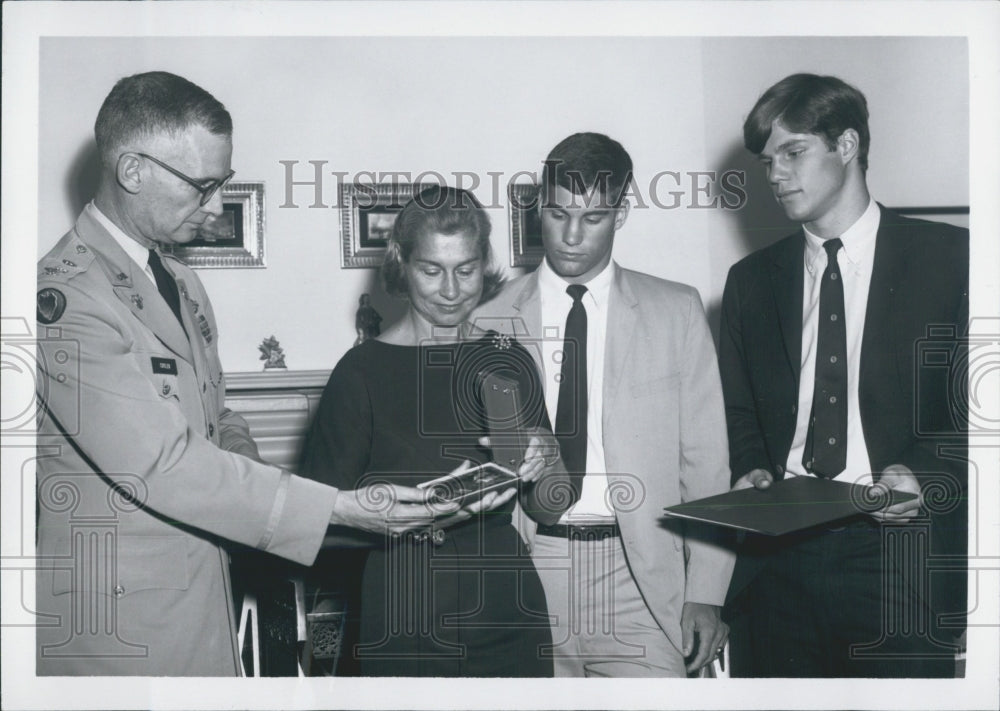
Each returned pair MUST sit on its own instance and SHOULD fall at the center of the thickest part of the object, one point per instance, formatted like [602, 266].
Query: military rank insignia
[206, 330]
[137, 300]
[51, 305]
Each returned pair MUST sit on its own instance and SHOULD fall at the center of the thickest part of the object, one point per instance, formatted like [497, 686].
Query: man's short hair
[155, 103]
[585, 162]
[808, 103]
[439, 210]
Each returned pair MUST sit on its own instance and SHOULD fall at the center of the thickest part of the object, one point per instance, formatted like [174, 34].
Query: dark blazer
[916, 316]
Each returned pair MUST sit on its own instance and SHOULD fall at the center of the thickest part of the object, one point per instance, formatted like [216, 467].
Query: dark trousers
[830, 602]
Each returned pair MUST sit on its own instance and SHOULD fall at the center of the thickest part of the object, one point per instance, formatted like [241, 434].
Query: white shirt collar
[598, 288]
[138, 253]
[858, 239]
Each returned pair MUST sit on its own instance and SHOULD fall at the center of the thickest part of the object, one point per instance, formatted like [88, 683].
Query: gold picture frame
[241, 246]
[367, 213]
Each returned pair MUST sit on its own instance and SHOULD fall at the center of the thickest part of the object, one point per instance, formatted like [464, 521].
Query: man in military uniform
[142, 471]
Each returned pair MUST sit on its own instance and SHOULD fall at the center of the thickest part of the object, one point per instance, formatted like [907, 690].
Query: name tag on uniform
[164, 366]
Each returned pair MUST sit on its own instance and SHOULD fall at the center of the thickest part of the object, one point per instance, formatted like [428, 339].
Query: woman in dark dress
[462, 597]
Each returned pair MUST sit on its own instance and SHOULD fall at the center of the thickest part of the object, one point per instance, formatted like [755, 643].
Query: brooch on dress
[501, 341]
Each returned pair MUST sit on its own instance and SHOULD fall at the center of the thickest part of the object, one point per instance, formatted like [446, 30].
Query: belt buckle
[594, 530]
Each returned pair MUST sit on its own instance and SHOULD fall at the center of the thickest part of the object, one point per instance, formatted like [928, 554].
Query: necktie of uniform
[571, 411]
[166, 285]
[826, 442]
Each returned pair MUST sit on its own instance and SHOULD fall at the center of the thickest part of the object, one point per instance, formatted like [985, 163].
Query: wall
[487, 105]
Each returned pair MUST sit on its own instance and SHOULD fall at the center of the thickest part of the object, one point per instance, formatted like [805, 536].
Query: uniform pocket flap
[120, 565]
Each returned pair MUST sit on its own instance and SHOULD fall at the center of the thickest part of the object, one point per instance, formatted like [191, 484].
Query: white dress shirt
[556, 303]
[136, 252]
[855, 260]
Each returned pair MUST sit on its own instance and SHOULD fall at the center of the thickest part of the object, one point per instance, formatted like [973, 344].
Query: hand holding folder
[794, 503]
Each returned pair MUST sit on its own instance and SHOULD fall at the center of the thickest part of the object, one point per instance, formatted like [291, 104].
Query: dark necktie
[166, 285]
[571, 412]
[826, 443]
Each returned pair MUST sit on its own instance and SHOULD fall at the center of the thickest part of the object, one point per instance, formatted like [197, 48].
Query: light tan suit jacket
[664, 431]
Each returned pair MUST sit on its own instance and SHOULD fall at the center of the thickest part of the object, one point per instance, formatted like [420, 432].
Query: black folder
[789, 505]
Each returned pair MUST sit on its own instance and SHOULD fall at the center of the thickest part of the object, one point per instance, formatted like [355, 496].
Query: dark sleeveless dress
[470, 604]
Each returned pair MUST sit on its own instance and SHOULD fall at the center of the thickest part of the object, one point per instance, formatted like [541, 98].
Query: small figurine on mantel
[366, 321]
[271, 353]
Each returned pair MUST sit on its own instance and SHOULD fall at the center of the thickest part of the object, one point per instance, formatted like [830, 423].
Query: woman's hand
[549, 493]
[542, 454]
[489, 501]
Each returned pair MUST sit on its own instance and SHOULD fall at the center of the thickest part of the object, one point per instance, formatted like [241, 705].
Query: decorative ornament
[271, 353]
[366, 320]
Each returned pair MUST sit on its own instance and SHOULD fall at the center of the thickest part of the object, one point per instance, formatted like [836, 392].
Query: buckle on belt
[584, 531]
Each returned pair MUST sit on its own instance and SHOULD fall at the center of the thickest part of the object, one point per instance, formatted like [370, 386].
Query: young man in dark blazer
[823, 375]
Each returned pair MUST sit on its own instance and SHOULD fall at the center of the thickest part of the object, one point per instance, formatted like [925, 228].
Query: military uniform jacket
[143, 473]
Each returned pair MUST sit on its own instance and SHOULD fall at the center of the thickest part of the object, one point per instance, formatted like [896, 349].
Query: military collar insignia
[206, 330]
[137, 300]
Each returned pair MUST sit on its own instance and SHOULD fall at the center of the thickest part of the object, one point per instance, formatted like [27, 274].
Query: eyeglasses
[207, 188]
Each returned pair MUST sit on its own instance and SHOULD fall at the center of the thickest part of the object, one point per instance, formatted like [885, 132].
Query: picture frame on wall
[235, 240]
[367, 214]
[526, 249]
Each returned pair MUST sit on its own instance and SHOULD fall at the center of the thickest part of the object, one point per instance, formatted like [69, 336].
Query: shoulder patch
[51, 305]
